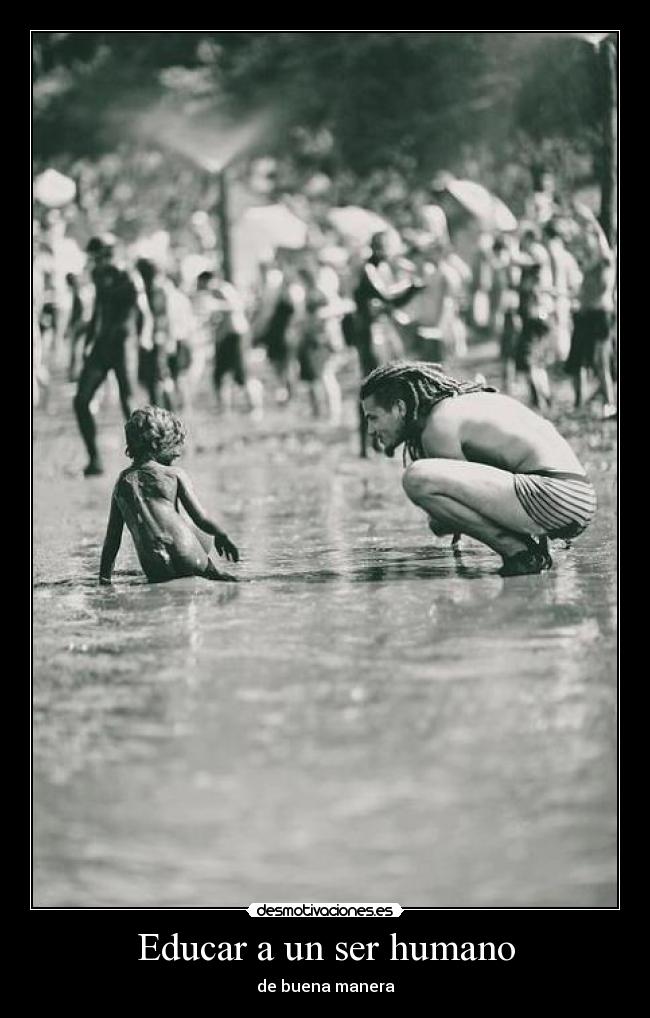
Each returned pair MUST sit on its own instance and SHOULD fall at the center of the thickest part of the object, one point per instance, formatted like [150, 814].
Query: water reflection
[365, 713]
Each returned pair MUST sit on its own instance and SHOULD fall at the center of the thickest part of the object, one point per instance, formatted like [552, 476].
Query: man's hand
[224, 546]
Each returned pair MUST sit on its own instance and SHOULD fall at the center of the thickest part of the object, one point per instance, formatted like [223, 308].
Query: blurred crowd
[340, 273]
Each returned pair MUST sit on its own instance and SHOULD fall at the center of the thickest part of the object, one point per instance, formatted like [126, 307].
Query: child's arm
[111, 543]
[198, 515]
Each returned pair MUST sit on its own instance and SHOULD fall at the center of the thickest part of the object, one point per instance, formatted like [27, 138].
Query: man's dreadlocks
[421, 385]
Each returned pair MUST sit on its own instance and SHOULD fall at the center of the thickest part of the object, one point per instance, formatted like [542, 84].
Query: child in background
[147, 496]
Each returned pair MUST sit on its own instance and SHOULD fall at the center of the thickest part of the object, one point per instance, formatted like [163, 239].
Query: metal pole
[224, 228]
[609, 182]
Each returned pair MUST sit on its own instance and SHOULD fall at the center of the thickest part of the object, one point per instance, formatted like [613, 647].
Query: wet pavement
[366, 716]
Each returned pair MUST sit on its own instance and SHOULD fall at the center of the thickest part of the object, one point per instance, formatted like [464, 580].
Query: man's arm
[141, 305]
[93, 323]
[396, 294]
[199, 516]
[111, 543]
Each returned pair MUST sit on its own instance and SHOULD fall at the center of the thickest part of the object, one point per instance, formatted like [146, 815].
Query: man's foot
[523, 563]
[94, 469]
[540, 547]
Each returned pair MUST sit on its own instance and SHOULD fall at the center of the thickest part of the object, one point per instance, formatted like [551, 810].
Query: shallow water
[364, 717]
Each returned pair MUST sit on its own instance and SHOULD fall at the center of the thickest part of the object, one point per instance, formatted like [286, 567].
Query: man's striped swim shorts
[563, 504]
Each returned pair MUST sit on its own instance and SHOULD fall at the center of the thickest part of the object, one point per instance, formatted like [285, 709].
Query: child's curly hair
[154, 432]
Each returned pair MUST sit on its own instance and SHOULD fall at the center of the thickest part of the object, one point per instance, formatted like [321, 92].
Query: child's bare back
[148, 496]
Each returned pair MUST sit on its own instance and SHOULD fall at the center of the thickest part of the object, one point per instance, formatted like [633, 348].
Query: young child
[146, 497]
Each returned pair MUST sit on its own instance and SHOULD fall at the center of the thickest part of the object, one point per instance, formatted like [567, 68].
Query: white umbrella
[492, 213]
[357, 226]
[595, 38]
[275, 225]
[54, 189]
[356, 223]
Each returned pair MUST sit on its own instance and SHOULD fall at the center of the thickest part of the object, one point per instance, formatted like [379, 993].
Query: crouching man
[483, 464]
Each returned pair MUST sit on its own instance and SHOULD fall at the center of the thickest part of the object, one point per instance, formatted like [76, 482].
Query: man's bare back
[487, 427]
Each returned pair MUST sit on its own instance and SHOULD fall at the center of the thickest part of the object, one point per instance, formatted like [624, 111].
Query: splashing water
[210, 142]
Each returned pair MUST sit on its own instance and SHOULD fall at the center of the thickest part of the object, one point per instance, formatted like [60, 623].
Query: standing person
[112, 340]
[45, 304]
[433, 309]
[535, 311]
[40, 374]
[205, 311]
[567, 278]
[483, 464]
[482, 283]
[376, 293]
[504, 299]
[231, 338]
[274, 316]
[459, 280]
[321, 340]
[591, 341]
[65, 257]
[182, 328]
[154, 366]
[37, 342]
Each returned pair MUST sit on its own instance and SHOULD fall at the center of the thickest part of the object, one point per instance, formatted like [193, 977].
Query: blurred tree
[414, 98]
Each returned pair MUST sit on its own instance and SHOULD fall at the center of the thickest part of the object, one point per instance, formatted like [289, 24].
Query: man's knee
[419, 481]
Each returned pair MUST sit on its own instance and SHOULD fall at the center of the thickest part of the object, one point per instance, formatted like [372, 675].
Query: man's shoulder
[443, 416]
[471, 405]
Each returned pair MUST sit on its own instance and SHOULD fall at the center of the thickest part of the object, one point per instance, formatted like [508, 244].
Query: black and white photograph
[324, 381]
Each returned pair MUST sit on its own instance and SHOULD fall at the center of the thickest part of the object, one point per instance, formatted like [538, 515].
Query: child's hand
[224, 546]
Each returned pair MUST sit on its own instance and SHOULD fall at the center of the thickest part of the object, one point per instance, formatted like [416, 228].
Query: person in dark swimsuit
[154, 369]
[111, 341]
[275, 339]
[376, 293]
[147, 497]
